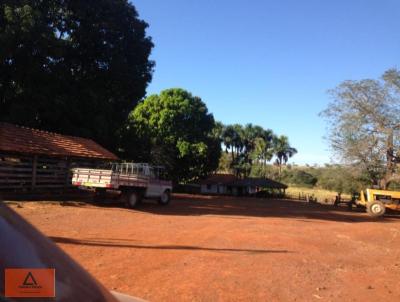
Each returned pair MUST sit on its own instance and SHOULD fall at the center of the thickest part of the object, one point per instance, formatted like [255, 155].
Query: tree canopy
[252, 145]
[176, 130]
[246, 144]
[73, 67]
[283, 150]
[364, 125]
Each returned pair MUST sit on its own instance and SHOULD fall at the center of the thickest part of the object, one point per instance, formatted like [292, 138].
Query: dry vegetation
[323, 196]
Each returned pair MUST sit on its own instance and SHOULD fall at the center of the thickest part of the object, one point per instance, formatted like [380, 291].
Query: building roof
[221, 179]
[232, 180]
[32, 141]
[259, 182]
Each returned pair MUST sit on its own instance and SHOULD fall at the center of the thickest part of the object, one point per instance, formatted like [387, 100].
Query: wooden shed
[229, 184]
[36, 160]
[217, 184]
[253, 185]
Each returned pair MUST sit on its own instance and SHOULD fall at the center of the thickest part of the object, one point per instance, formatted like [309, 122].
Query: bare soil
[228, 249]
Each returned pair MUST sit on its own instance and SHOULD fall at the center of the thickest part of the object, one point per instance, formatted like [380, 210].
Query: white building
[218, 184]
[229, 184]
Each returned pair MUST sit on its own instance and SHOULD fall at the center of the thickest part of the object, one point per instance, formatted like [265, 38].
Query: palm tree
[238, 139]
[283, 151]
[228, 139]
[218, 130]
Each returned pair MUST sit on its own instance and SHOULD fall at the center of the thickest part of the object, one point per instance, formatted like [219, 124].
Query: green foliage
[176, 130]
[299, 178]
[265, 171]
[283, 151]
[251, 147]
[341, 179]
[364, 123]
[338, 178]
[74, 67]
[394, 186]
[224, 165]
[247, 145]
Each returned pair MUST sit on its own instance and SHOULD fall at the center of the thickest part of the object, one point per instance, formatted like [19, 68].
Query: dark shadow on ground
[117, 244]
[197, 205]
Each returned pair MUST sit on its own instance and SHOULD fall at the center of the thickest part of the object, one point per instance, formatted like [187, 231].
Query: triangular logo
[29, 279]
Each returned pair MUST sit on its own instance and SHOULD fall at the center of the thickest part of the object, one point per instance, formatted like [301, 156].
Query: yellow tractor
[376, 201]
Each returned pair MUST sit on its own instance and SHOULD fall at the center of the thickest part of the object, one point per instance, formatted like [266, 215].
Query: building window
[208, 187]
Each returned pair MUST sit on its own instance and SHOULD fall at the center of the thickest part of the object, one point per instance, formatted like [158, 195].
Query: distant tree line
[338, 178]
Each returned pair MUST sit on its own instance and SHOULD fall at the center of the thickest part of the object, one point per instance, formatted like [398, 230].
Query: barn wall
[209, 189]
[214, 189]
[25, 173]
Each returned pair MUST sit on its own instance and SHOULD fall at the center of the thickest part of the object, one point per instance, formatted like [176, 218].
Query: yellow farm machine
[377, 201]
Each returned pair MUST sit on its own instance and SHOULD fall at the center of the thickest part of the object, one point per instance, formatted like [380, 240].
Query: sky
[271, 63]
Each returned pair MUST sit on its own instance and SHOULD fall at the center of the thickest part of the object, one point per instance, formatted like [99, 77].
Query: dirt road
[229, 249]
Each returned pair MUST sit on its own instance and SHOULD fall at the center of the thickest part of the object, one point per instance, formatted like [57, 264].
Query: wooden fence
[25, 173]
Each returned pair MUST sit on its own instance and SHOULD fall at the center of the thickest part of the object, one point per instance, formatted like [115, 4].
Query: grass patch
[321, 194]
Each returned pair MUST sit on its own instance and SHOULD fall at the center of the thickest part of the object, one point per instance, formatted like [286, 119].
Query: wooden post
[34, 169]
[67, 172]
[67, 177]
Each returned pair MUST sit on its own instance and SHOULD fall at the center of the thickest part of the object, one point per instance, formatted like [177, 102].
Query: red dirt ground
[229, 249]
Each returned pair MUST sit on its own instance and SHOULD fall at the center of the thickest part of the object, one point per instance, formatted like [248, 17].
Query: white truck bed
[100, 178]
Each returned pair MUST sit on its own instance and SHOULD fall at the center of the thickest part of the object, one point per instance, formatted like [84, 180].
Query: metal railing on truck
[139, 169]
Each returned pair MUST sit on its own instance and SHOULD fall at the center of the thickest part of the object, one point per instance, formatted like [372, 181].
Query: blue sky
[271, 62]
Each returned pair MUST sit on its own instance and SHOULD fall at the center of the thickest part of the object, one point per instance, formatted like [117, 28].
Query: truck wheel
[99, 195]
[375, 208]
[165, 198]
[132, 199]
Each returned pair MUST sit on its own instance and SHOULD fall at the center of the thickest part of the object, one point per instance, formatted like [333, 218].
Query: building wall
[24, 173]
[223, 189]
[251, 190]
[213, 189]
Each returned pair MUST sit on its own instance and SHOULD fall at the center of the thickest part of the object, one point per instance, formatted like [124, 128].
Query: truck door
[154, 188]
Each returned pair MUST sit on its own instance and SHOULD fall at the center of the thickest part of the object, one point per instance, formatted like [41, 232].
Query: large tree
[174, 129]
[75, 67]
[364, 125]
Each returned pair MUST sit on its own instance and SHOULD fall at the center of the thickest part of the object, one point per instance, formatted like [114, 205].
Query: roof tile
[32, 141]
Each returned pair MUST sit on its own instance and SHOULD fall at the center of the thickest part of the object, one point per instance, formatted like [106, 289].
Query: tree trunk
[390, 165]
[280, 167]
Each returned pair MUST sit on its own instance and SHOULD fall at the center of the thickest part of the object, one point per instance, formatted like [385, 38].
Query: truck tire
[376, 208]
[165, 198]
[132, 199]
[99, 195]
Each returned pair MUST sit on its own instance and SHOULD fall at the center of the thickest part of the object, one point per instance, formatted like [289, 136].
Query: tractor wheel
[165, 198]
[376, 208]
[132, 199]
[350, 206]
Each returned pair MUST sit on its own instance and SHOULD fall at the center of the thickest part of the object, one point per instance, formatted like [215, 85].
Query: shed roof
[259, 182]
[219, 179]
[232, 180]
[32, 141]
